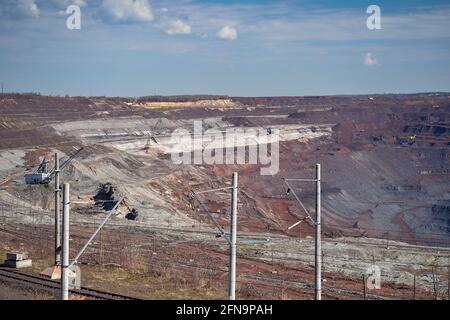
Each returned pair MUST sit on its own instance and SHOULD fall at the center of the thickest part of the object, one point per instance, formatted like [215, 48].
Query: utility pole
[57, 213]
[273, 263]
[101, 248]
[231, 239]
[364, 286]
[317, 224]
[448, 283]
[318, 247]
[65, 243]
[434, 271]
[233, 230]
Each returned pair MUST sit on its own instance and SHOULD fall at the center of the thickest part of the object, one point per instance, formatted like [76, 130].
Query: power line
[170, 263]
[440, 237]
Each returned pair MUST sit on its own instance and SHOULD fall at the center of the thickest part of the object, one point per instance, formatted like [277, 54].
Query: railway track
[39, 282]
[305, 286]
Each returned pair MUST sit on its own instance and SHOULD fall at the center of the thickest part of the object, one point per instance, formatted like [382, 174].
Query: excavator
[42, 175]
[156, 131]
[107, 197]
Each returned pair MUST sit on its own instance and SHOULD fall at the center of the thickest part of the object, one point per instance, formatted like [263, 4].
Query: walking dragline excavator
[43, 175]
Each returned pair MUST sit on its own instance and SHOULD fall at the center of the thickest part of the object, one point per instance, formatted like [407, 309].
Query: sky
[237, 48]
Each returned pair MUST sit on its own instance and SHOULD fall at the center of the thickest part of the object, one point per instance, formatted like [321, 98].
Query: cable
[300, 202]
[209, 215]
[264, 251]
[174, 264]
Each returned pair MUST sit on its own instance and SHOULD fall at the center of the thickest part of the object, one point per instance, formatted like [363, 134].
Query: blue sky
[239, 48]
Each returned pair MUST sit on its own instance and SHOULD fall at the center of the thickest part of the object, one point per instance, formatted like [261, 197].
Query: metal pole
[434, 282]
[273, 264]
[233, 230]
[113, 210]
[364, 286]
[65, 244]
[448, 283]
[414, 294]
[318, 246]
[57, 213]
[101, 248]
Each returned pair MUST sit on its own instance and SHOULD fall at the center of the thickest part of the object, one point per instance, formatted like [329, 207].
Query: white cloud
[228, 33]
[80, 3]
[127, 10]
[17, 9]
[179, 27]
[369, 60]
[29, 7]
[63, 4]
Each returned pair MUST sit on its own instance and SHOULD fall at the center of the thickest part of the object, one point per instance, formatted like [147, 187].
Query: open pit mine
[385, 194]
